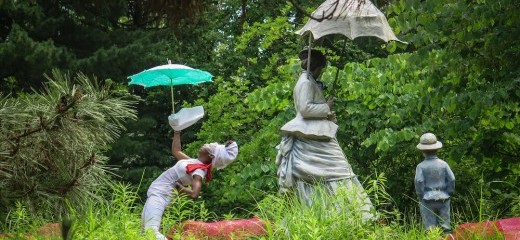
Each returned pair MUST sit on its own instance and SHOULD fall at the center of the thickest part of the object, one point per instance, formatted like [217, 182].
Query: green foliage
[182, 208]
[22, 52]
[458, 77]
[391, 102]
[113, 216]
[334, 217]
[90, 37]
[114, 213]
[18, 219]
[461, 83]
[253, 120]
[376, 190]
[51, 142]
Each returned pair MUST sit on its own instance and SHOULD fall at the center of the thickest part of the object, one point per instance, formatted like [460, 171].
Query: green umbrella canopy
[170, 75]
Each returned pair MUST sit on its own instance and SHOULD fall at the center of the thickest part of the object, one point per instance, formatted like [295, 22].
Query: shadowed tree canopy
[162, 13]
[109, 38]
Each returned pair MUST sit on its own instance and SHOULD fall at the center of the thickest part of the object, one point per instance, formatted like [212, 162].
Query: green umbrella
[170, 75]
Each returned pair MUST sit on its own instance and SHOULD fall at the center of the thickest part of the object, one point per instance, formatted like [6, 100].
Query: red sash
[192, 167]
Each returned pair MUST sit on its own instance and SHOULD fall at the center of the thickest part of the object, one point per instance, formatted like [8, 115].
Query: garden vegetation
[78, 145]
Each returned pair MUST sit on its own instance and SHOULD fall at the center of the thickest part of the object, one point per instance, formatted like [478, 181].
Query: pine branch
[90, 161]
[61, 108]
[73, 182]
[55, 154]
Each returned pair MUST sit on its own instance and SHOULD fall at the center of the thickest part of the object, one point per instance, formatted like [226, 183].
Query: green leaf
[391, 47]
[265, 168]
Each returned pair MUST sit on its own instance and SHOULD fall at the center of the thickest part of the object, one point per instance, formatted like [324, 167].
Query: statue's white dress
[309, 152]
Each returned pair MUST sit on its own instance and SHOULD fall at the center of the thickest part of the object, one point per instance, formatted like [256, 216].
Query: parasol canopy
[170, 75]
[351, 18]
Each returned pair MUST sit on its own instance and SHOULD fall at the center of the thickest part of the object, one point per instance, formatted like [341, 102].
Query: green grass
[116, 214]
[338, 217]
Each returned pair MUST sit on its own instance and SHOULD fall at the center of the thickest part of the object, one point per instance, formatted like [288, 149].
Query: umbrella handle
[171, 89]
[309, 54]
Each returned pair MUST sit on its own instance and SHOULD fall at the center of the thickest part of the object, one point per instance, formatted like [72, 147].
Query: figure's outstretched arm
[176, 147]
[196, 185]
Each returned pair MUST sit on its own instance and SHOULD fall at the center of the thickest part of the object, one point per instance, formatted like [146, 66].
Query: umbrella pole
[171, 89]
[335, 83]
[309, 55]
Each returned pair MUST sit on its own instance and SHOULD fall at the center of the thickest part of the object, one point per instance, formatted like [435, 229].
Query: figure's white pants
[152, 214]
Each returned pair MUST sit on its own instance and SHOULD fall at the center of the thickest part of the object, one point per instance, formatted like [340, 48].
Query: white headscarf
[223, 155]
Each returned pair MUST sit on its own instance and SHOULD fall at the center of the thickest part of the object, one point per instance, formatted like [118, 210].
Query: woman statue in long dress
[309, 154]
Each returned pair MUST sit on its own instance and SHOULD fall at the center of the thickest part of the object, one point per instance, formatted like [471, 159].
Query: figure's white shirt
[165, 182]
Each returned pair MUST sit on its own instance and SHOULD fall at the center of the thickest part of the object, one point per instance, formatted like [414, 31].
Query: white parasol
[351, 18]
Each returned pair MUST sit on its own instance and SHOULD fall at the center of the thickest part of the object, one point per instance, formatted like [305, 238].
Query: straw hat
[428, 141]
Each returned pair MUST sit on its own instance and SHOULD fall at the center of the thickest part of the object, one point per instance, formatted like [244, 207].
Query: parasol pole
[309, 55]
[335, 83]
[171, 88]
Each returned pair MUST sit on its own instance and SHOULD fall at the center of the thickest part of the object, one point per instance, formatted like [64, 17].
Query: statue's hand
[332, 117]
[330, 103]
